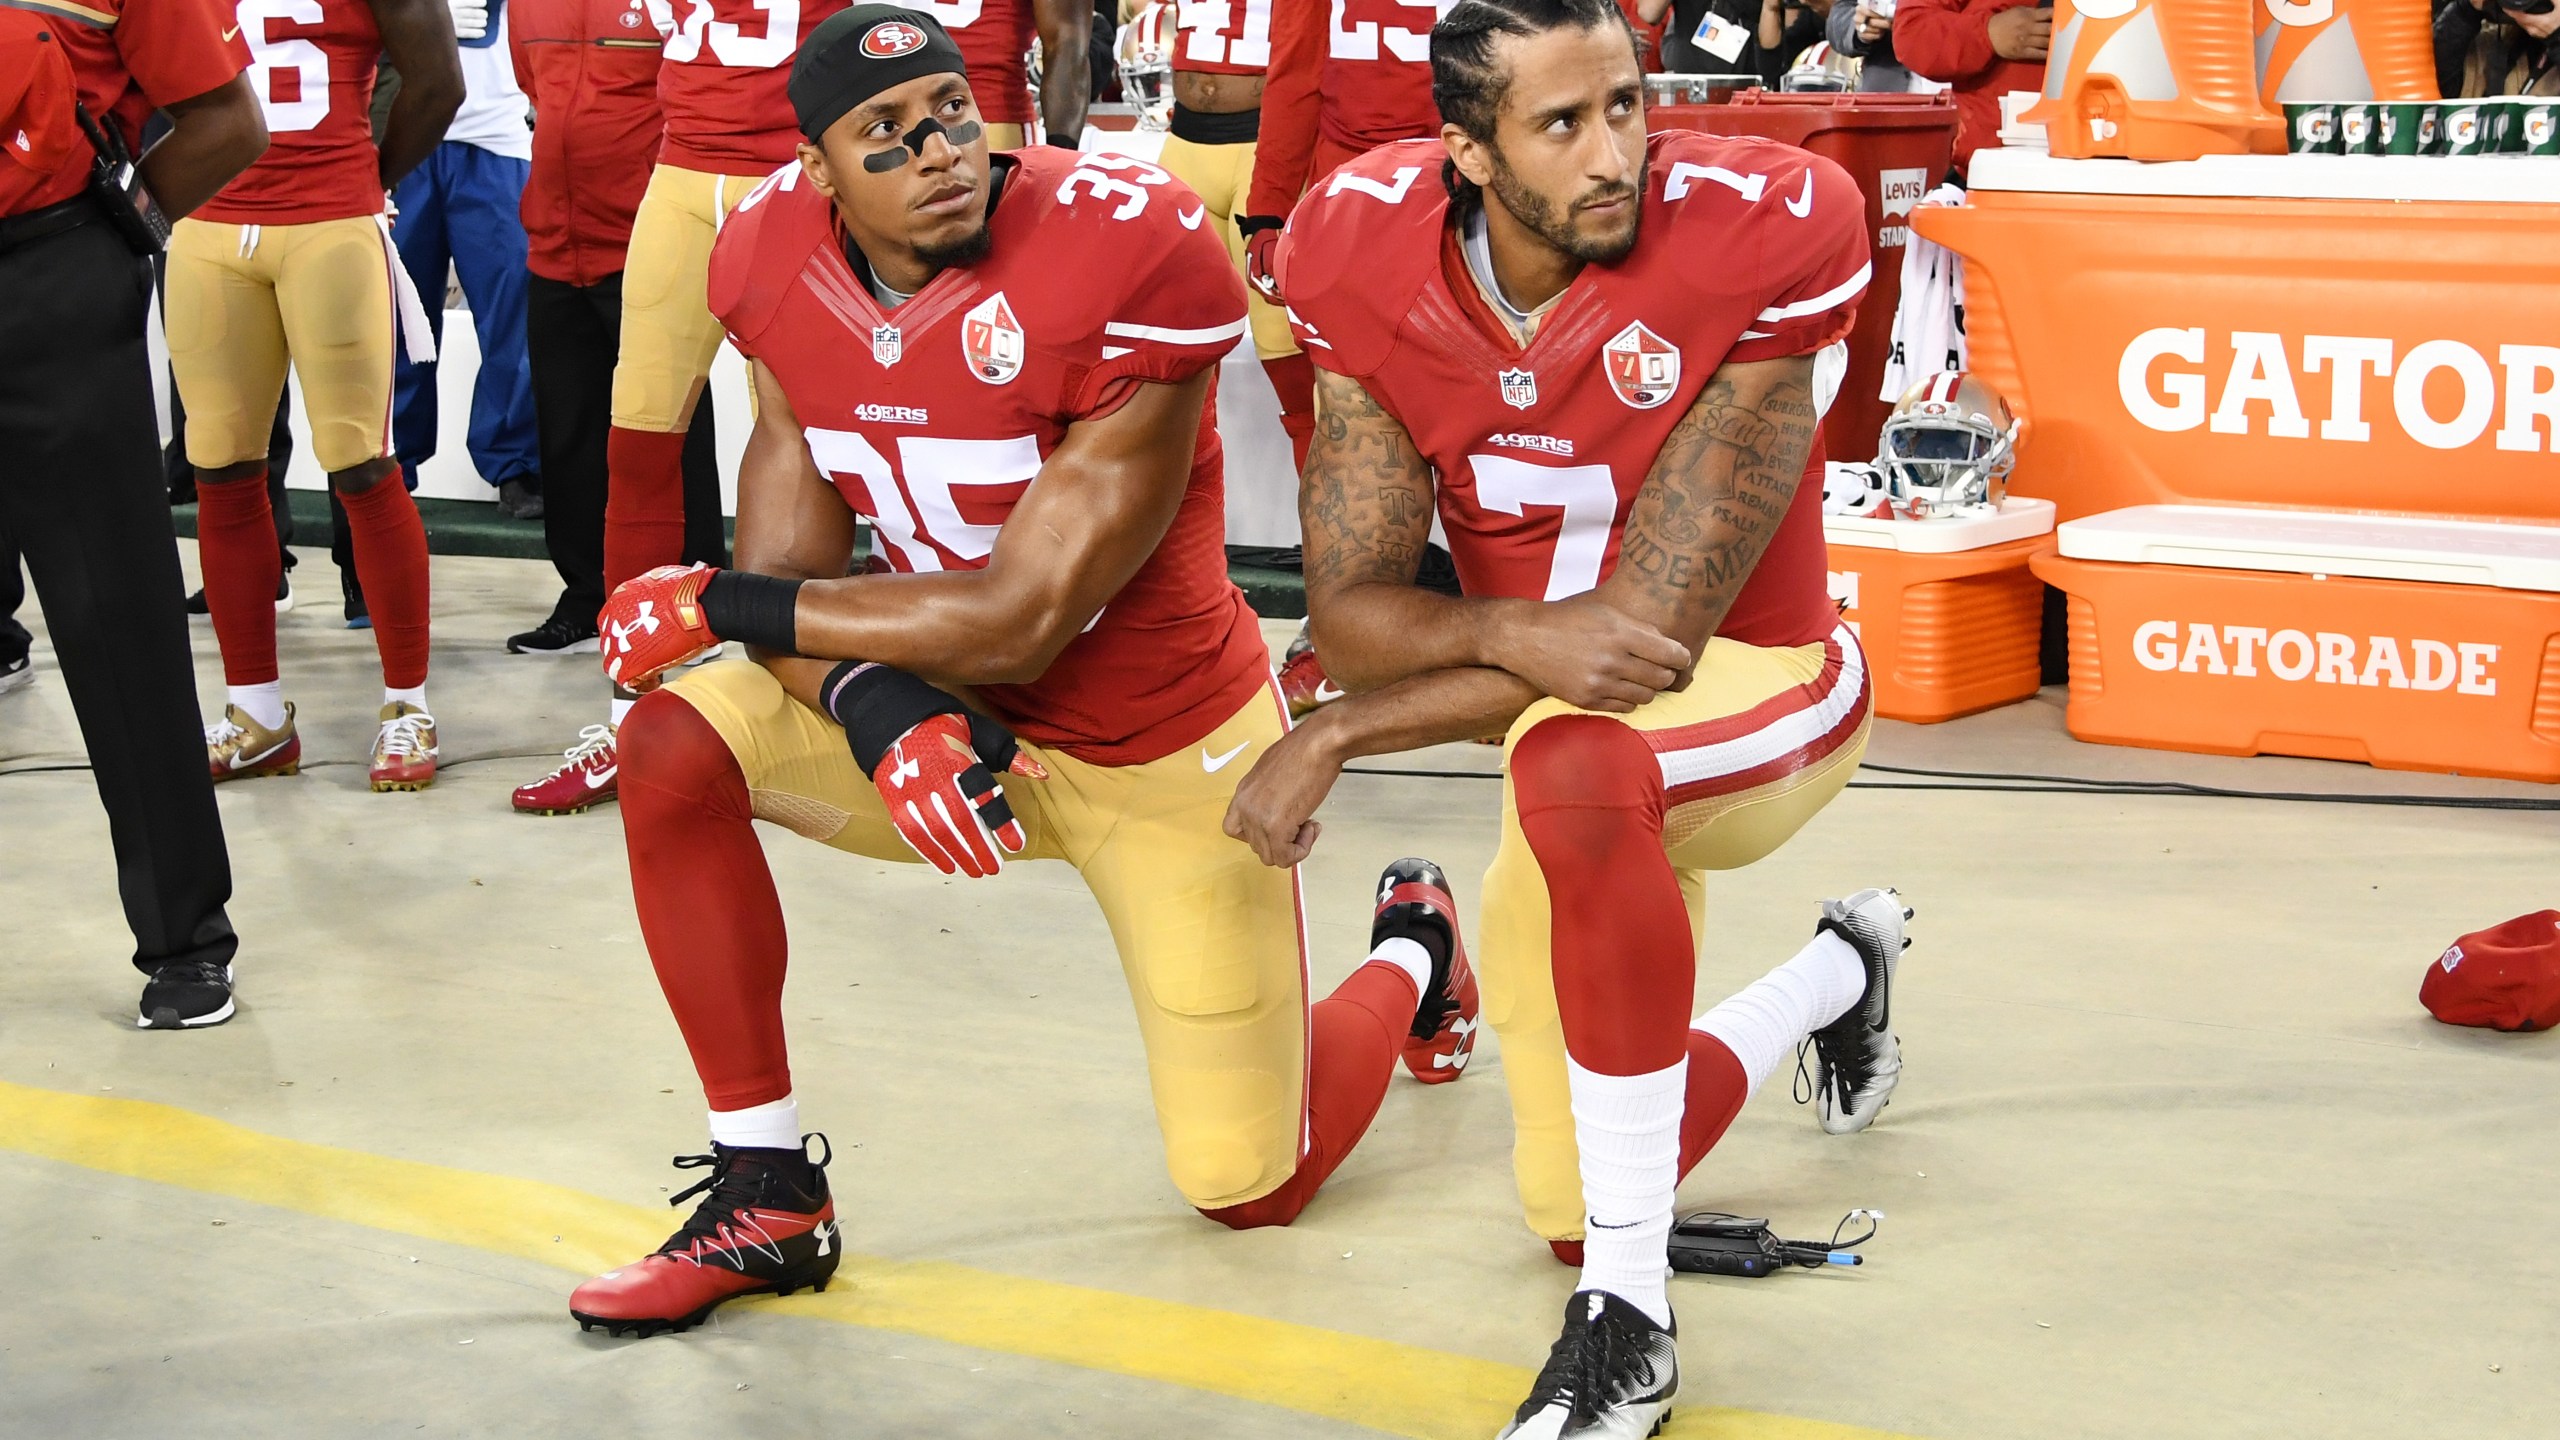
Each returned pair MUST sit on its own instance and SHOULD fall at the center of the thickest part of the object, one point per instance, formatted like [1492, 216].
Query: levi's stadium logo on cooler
[890, 39]
[1643, 367]
[992, 340]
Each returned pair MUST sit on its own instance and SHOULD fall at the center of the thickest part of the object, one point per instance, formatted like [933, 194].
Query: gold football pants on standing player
[1210, 938]
[246, 301]
[1221, 175]
[1725, 830]
[669, 334]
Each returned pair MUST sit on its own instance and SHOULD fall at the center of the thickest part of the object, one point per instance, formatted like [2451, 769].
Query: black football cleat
[1858, 1055]
[1414, 903]
[1611, 1375]
[768, 1227]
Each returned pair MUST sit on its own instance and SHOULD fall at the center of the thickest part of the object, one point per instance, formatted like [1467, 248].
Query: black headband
[857, 53]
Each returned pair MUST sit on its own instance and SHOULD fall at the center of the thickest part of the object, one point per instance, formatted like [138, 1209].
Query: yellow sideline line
[1398, 1389]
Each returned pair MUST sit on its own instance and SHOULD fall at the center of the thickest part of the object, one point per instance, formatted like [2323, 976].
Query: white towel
[414, 333]
[1928, 326]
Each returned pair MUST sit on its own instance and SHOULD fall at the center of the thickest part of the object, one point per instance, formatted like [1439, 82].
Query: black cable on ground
[1997, 783]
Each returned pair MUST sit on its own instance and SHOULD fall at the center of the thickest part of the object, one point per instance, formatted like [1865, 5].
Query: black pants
[573, 333]
[81, 494]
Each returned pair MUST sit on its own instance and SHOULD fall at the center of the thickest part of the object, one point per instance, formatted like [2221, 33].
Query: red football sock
[1590, 800]
[1293, 379]
[708, 910]
[1717, 1088]
[236, 548]
[644, 502]
[1354, 1037]
[391, 564]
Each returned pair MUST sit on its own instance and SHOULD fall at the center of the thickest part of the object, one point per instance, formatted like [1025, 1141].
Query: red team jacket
[724, 84]
[933, 419]
[1749, 250]
[1346, 76]
[125, 59]
[314, 79]
[995, 40]
[1950, 40]
[591, 69]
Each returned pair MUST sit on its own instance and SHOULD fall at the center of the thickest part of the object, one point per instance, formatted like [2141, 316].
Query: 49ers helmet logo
[890, 39]
[991, 339]
[1643, 367]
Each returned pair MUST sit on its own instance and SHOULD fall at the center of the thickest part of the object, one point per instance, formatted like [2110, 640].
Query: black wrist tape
[878, 704]
[760, 610]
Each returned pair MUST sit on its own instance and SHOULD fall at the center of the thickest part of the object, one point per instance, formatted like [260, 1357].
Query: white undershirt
[1476, 244]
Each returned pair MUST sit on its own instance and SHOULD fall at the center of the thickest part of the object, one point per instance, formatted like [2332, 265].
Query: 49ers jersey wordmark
[723, 79]
[1748, 250]
[934, 418]
[311, 65]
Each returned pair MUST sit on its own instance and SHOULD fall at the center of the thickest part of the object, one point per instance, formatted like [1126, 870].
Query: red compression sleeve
[391, 564]
[644, 502]
[1354, 1036]
[236, 549]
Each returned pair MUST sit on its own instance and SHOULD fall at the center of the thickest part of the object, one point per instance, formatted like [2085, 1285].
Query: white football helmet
[1947, 447]
[1852, 489]
[1145, 52]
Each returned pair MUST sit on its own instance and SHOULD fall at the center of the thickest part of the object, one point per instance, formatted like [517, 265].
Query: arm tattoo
[1365, 500]
[1723, 481]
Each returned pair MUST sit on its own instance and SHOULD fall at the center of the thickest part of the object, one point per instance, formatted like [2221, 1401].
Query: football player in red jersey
[1005, 363]
[995, 39]
[720, 84]
[1593, 354]
[287, 264]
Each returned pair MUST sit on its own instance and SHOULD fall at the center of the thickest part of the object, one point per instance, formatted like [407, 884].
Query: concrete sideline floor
[2177, 1153]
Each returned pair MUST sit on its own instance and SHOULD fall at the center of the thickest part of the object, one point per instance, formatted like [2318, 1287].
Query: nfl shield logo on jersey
[1643, 367]
[992, 340]
[1519, 389]
[886, 344]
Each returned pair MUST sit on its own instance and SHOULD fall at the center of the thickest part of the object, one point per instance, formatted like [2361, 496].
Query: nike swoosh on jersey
[1191, 218]
[1214, 764]
[227, 34]
[1802, 205]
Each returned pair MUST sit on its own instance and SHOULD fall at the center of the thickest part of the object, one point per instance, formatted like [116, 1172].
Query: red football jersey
[724, 77]
[1223, 37]
[1100, 275]
[126, 60]
[1749, 250]
[995, 39]
[1346, 76]
[311, 65]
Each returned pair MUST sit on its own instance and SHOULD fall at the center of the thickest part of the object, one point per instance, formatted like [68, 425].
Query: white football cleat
[1859, 1057]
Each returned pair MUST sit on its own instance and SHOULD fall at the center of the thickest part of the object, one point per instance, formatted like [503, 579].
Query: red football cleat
[1303, 683]
[586, 777]
[1413, 896]
[768, 1227]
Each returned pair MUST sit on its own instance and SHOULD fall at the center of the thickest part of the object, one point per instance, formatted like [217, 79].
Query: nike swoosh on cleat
[1214, 764]
[603, 778]
[1327, 692]
[243, 762]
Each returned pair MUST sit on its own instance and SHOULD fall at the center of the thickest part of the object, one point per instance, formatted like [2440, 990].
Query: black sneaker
[186, 995]
[1859, 1057]
[555, 636]
[16, 671]
[768, 1227]
[1611, 1376]
[196, 604]
[358, 617]
[519, 501]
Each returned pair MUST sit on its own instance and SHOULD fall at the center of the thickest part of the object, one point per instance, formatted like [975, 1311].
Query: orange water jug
[2319, 51]
[2153, 80]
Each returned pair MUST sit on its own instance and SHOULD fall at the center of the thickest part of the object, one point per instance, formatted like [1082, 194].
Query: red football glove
[944, 800]
[1261, 244]
[653, 623]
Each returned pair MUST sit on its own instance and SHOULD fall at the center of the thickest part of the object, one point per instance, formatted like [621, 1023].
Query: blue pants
[459, 208]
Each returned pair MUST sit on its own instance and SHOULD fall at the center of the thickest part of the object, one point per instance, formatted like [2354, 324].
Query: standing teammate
[1005, 364]
[720, 83]
[292, 262]
[1593, 355]
[995, 40]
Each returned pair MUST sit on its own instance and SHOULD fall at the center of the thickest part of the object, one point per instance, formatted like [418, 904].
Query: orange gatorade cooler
[2154, 80]
[2407, 643]
[2319, 51]
[1946, 610]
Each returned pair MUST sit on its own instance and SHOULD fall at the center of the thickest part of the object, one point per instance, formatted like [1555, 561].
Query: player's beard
[1543, 218]
[969, 249]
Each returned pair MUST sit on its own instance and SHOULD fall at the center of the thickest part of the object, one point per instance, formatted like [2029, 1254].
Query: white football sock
[774, 1125]
[1628, 1129]
[1767, 1019]
[1409, 957]
[262, 703]
[416, 695]
[622, 707]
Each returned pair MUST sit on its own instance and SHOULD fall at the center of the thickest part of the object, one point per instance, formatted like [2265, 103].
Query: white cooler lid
[2496, 179]
[2510, 556]
[2019, 519]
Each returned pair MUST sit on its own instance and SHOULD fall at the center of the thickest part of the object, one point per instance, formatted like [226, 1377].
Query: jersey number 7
[1586, 495]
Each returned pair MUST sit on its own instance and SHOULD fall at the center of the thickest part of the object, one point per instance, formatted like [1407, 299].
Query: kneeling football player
[1593, 353]
[1005, 363]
